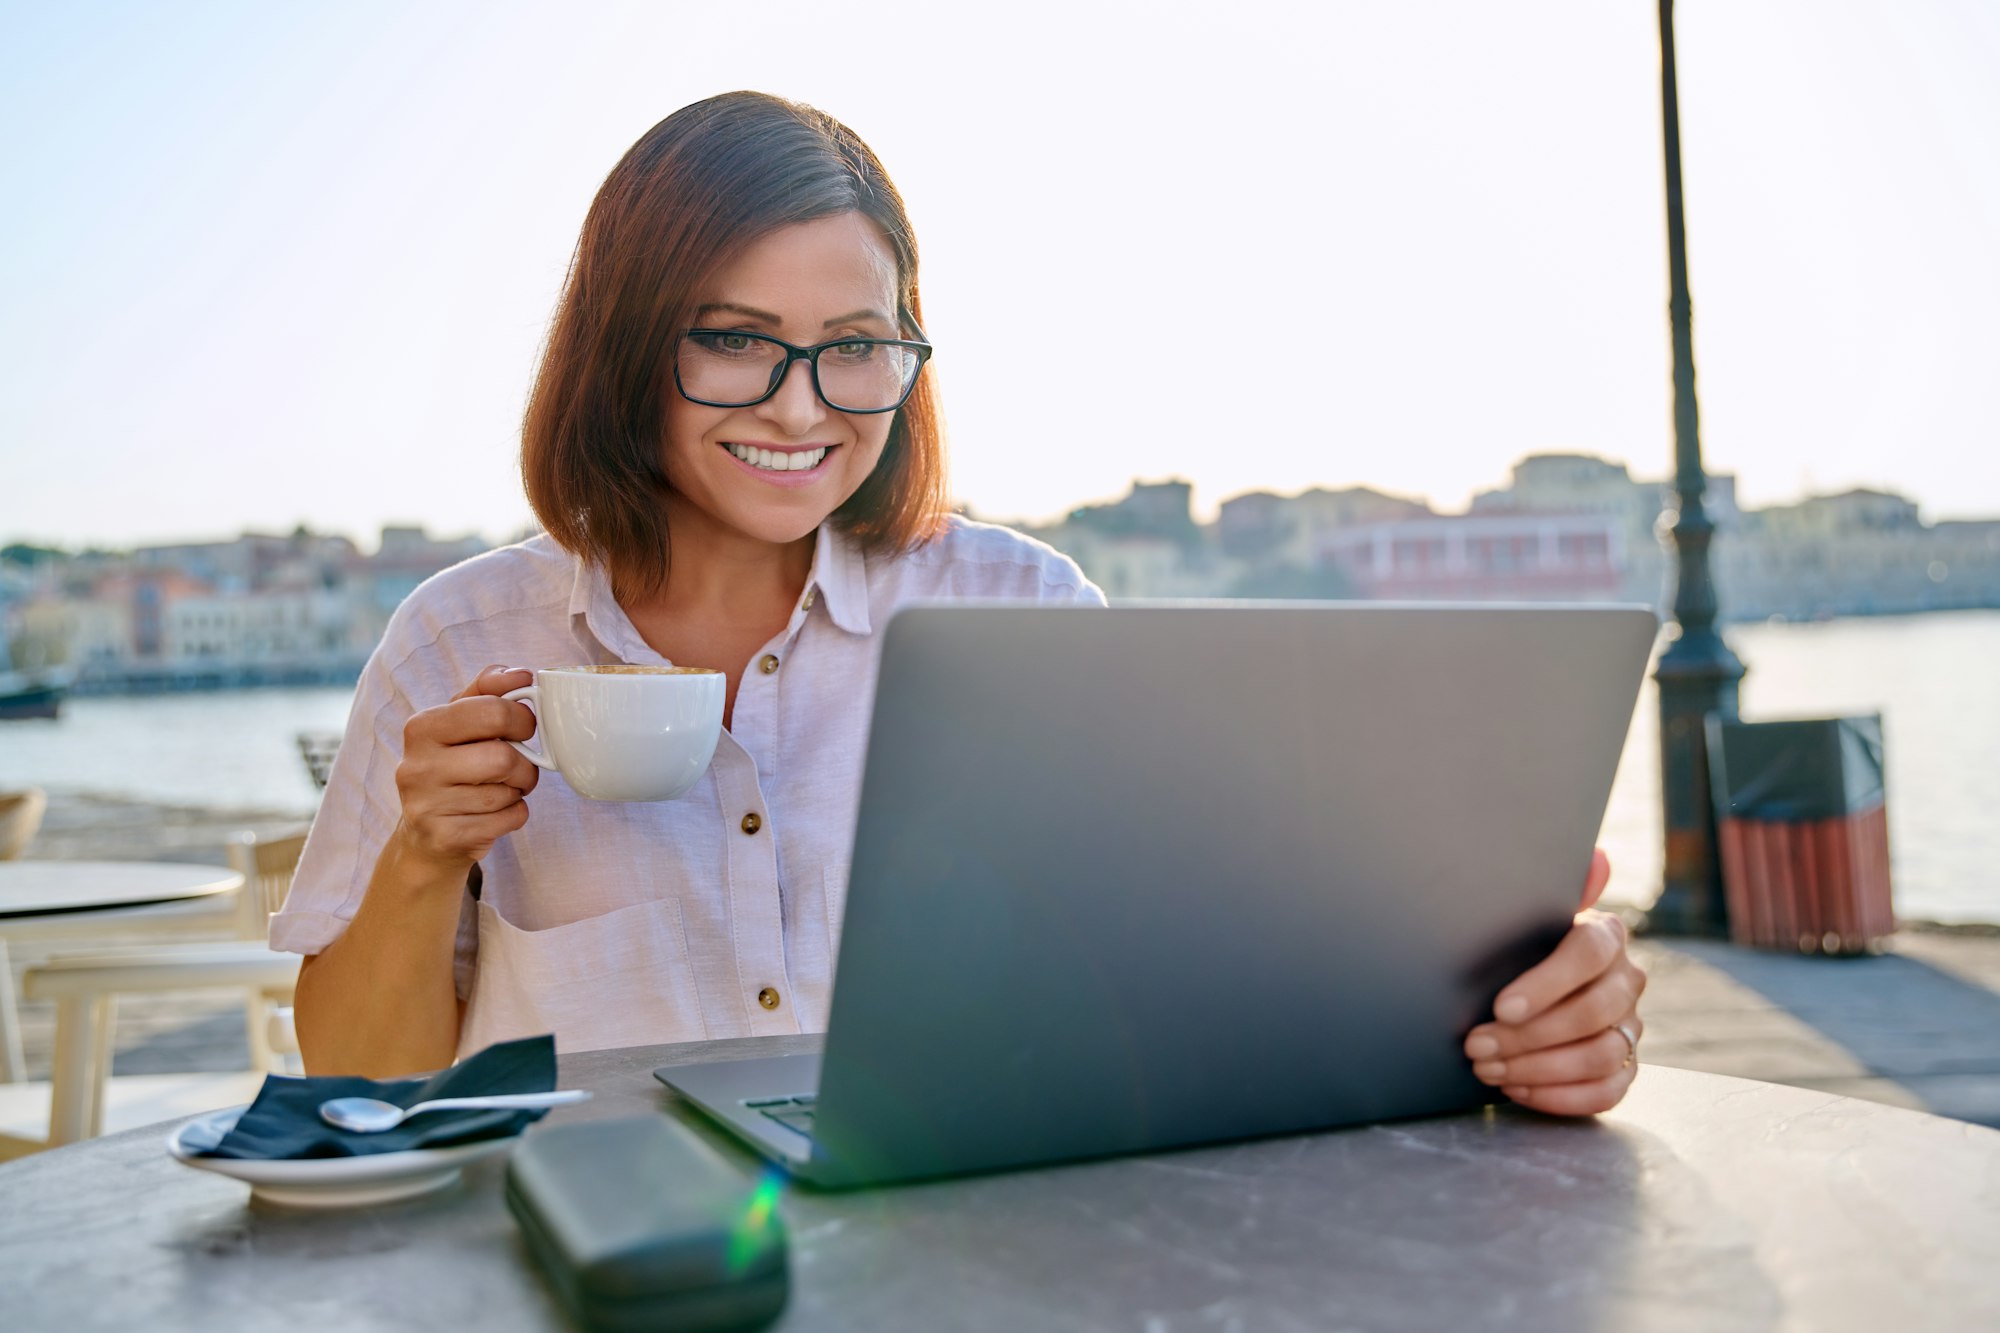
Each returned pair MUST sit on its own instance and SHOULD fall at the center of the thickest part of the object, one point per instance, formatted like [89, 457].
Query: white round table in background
[47, 888]
[83, 899]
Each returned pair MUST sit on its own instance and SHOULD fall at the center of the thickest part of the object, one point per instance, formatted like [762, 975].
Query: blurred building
[1635, 509]
[1483, 557]
[1145, 544]
[405, 557]
[1861, 552]
[81, 633]
[1565, 527]
[305, 607]
[1265, 529]
[143, 593]
[282, 627]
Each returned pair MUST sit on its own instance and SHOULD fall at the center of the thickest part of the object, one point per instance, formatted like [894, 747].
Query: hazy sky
[263, 264]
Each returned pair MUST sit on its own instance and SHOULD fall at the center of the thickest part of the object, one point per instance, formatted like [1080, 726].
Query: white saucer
[329, 1182]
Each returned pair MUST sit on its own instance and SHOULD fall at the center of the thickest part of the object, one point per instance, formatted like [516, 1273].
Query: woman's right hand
[461, 783]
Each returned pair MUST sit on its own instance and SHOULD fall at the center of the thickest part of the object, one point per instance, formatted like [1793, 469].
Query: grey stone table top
[1702, 1203]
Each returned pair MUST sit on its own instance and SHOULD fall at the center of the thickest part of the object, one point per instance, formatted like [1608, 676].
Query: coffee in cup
[625, 733]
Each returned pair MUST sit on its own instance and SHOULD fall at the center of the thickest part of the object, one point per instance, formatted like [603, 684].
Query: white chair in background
[20, 818]
[266, 865]
[85, 989]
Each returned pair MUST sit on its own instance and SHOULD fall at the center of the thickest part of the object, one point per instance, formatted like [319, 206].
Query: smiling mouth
[781, 460]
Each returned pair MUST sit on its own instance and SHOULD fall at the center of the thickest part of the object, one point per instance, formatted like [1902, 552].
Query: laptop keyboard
[794, 1113]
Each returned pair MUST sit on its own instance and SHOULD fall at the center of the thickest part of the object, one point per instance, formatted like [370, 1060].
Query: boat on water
[31, 694]
[38, 692]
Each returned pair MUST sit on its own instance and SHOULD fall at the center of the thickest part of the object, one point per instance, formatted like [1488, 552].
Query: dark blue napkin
[284, 1123]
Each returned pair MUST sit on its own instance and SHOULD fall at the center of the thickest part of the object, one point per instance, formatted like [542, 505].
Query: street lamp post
[1698, 674]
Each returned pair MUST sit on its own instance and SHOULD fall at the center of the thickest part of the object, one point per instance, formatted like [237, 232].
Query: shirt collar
[591, 602]
[840, 576]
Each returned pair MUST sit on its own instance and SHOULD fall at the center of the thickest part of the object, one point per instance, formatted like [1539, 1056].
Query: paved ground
[1918, 1026]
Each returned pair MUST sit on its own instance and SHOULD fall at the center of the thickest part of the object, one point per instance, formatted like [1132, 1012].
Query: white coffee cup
[625, 733]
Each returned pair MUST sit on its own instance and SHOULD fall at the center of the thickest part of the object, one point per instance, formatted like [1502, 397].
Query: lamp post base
[1697, 676]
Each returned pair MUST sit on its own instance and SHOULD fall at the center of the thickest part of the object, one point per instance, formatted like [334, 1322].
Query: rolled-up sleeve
[441, 635]
[356, 815]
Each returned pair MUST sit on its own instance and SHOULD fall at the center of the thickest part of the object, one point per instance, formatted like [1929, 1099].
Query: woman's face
[807, 283]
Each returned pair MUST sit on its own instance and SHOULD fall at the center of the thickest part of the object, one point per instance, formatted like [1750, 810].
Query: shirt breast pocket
[622, 978]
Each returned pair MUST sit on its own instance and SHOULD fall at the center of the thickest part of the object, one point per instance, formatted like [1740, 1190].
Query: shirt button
[752, 822]
[768, 998]
[768, 664]
[812, 595]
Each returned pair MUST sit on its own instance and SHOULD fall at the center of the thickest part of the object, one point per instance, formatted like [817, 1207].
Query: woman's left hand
[1555, 1044]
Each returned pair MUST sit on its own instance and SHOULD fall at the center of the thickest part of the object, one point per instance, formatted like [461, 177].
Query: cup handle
[530, 696]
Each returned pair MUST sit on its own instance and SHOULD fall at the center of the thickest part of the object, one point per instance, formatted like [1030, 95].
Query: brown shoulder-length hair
[684, 200]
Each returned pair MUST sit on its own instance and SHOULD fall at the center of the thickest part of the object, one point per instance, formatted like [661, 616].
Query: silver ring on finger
[1631, 1043]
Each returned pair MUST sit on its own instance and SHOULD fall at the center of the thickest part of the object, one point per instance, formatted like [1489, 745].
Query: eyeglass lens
[734, 369]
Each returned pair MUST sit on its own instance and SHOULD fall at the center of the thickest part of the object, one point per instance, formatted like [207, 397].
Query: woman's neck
[722, 579]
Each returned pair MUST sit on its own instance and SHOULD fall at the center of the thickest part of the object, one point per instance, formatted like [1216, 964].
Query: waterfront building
[1861, 552]
[1163, 510]
[1566, 526]
[1291, 530]
[1576, 483]
[1588, 484]
[1141, 564]
[1528, 557]
[1145, 544]
[145, 592]
[283, 627]
[405, 557]
[302, 607]
[83, 633]
[253, 560]
[1845, 514]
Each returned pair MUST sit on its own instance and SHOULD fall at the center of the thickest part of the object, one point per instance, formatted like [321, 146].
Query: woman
[738, 462]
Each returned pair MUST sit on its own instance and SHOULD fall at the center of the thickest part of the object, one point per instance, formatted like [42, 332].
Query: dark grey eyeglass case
[638, 1224]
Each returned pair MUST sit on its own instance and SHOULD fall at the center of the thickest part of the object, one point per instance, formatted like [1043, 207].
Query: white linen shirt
[630, 924]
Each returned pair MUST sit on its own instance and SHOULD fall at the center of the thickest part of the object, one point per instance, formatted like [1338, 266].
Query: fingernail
[1511, 1010]
[1490, 1071]
[1481, 1048]
[1517, 1092]
[518, 671]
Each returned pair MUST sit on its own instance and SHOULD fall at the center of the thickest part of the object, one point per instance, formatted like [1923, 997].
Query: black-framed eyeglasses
[731, 368]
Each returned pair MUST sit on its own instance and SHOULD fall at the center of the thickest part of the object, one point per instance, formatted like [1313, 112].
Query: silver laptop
[1152, 876]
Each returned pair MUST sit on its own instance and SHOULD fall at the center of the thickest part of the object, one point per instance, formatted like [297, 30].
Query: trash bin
[1803, 830]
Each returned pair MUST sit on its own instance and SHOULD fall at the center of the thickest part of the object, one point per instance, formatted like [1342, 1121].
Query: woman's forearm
[380, 1001]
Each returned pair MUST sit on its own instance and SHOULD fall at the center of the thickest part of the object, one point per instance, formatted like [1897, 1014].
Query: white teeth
[804, 461]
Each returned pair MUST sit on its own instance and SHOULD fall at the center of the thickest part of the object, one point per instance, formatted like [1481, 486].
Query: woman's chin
[785, 534]
[776, 524]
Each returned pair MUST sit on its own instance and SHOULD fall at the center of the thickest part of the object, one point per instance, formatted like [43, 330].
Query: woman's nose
[796, 407]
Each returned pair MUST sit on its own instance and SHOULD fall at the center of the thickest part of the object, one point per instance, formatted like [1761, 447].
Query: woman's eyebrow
[730, 307]
[766, 317]
[856, 316]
